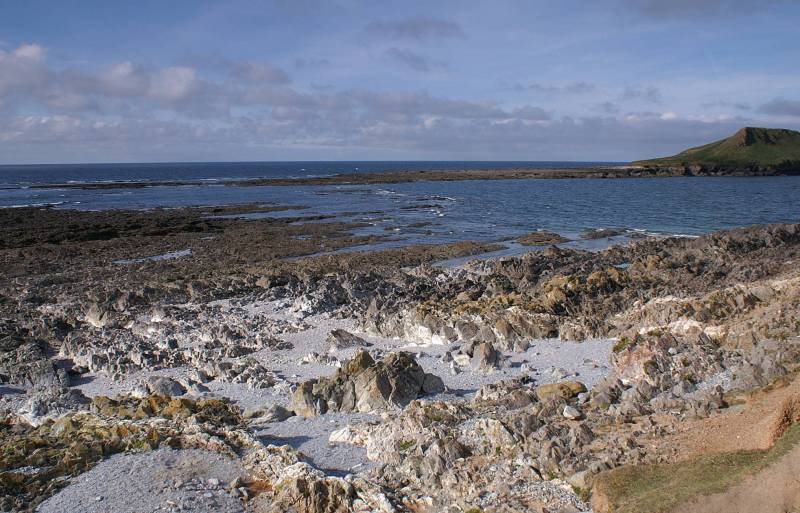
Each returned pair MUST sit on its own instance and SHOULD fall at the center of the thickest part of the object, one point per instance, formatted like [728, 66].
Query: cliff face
[754, 150]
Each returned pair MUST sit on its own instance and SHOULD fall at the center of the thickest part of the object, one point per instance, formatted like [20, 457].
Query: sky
[196, 80]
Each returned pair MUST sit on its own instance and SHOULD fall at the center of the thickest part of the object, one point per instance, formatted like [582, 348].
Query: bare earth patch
[744, 459]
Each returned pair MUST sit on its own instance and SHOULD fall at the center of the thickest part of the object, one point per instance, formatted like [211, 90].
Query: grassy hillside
[749, 147]
[660, 488]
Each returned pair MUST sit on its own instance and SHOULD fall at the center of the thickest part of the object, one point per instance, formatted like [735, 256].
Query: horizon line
[107, 163]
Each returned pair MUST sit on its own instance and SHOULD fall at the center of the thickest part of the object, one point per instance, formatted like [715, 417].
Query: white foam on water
[156, 258]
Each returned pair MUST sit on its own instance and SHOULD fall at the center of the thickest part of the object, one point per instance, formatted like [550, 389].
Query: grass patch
[659, 488]
[621, 344]
[584, 493]
[747, 147]
[405, 445]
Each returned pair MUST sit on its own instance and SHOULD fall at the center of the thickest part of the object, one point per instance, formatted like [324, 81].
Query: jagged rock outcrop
[160, 385]
[733, 286]
[29, 365]
[364, 385]
[294, 486]
[695, 320]
[80, 433]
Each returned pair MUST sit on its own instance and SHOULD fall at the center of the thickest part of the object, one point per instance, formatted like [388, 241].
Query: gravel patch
[163, 480]
[310, 356]
[723, 379]
[546, 361]
[310, 436]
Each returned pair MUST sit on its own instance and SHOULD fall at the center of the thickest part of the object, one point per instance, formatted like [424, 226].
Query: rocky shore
[394, 177]
[214, 363]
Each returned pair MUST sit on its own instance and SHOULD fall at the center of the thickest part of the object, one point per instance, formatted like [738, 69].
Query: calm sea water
[435, 212]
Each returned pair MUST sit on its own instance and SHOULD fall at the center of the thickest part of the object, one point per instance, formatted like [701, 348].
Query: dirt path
[735, 461]
[747, 426]
[775, 489]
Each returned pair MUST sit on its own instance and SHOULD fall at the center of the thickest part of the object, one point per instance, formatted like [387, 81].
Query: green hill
[774, 149]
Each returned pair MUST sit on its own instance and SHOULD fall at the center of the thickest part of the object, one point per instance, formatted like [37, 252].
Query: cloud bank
[222, 109]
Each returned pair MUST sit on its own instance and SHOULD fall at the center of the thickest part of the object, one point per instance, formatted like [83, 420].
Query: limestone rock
[297, 487]
[275, 413]
[49, 404]
[511, 393]
[343, 339]
[364, 385]
[571, 413]
[541, 238]
[304, 489]
[28, 365]
[269, 462]
[562, 390]
[486, 358]
[164, 386]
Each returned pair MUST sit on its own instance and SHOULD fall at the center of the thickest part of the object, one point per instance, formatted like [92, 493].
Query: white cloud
[174, 83]
[22, 69]
[30, 51]
[124, 79]
[235, 106]
[358, 129]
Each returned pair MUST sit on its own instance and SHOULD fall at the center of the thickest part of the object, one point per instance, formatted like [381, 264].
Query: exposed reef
[380, 381]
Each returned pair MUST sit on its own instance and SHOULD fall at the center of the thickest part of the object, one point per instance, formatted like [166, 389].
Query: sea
[424, 212]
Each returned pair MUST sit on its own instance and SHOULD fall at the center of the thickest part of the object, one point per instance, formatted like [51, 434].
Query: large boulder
[52, 403]
[364, 385]
[28, 365]
[562, 390]
[269, 462]
[304, 489]
[161, 385]
[486, 358]
[343, 339]
[290, 485]
[765, 364]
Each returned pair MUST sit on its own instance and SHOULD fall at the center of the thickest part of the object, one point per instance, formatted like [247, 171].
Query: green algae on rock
[35, 462]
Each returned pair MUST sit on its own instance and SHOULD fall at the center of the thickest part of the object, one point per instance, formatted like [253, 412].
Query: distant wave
[42, 204]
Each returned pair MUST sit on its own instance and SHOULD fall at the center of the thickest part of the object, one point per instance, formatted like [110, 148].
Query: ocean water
[13, 176]
[441, 212]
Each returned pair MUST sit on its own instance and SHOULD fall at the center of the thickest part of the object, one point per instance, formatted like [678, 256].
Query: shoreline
[394, 177]
[603, 355]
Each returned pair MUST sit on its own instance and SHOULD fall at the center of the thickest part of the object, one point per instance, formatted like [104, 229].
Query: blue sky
[196, 80]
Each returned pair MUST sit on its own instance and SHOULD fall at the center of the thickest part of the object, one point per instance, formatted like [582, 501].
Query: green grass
[405, 445]
[766, 147]
[621, 344]
[660, 488]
